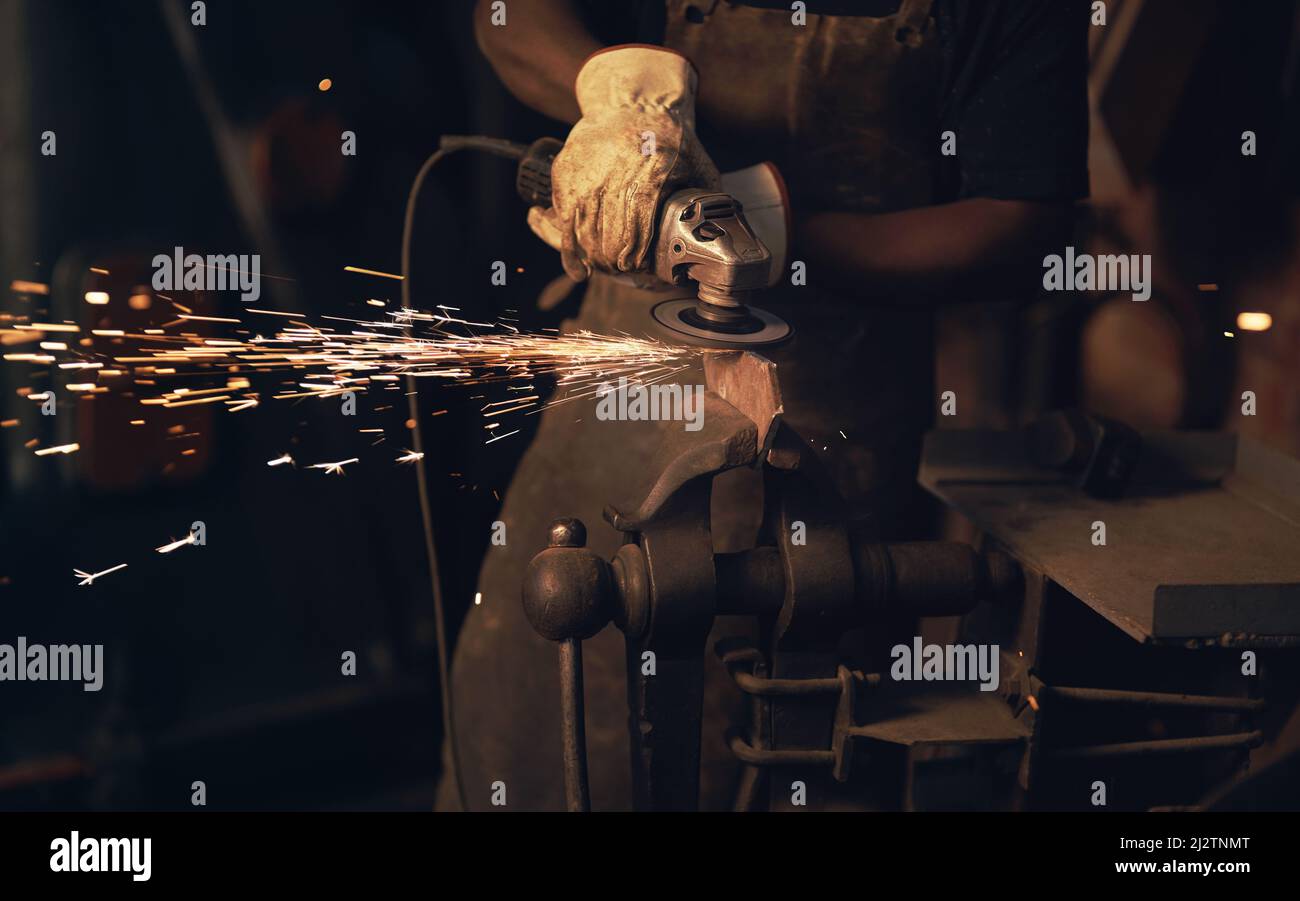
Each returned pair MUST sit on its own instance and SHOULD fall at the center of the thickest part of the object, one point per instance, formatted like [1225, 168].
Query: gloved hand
[634, 145]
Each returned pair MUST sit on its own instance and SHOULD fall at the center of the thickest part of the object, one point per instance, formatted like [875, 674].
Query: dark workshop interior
[222, 663]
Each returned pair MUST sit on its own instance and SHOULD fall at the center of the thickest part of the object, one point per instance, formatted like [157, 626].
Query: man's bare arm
[933, 248]
[538, 52]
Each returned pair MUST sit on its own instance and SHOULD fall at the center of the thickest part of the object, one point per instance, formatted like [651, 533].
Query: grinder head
[703, 238]
[686, 320]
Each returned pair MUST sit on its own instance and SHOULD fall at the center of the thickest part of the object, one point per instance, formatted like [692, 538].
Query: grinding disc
[679, 322]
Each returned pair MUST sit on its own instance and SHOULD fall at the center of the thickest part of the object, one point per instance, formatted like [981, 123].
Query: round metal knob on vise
[567, 597]
[567, 590]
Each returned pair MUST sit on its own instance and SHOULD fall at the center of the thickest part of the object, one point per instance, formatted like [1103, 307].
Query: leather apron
[847, 108]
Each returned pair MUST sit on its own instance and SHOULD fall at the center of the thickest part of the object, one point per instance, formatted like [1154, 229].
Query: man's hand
[634, 144]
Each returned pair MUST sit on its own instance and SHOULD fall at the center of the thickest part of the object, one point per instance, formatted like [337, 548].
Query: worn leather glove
[634, 145]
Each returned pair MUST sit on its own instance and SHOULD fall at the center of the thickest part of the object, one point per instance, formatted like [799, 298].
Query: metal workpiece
[747, 382]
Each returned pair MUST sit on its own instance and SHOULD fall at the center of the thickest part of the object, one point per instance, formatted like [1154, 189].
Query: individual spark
[48, 327]
[18, 286]
[60, 449]
[89, 578]
[410, 457]
[361, 271]
[336, 468]
[280, 460]
[168, 548]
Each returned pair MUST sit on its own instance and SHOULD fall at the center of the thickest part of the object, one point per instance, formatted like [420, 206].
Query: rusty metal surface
[577, 795]
[1204, 546]
[666, 708]
[727, 439]
[748, 382]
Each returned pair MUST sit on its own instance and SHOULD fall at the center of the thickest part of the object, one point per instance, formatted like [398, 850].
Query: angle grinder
[702, 238]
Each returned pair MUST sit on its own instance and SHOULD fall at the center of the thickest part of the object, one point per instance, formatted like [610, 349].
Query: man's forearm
[929, 249]
[538, 52]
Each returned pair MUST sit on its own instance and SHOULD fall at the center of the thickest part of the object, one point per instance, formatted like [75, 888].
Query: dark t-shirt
[1014, 87]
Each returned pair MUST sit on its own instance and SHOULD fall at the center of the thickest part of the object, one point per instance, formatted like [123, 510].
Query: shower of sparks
[168, 548]
[345, 356]
[336, 468]
[410, 457]
[89, 578]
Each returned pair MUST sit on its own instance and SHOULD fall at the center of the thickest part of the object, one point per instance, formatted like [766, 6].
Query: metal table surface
[1205, 544]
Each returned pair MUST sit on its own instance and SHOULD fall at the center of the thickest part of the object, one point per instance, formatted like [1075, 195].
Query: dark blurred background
[223, 662]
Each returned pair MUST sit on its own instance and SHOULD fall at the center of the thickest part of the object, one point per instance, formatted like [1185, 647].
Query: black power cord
[448, 145]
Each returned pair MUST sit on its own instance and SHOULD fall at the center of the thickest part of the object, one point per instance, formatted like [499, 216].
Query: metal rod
[747, 753]
[753, 779]
[576, 793]
[1163, 746]
[757, 685]
[1150, 699]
